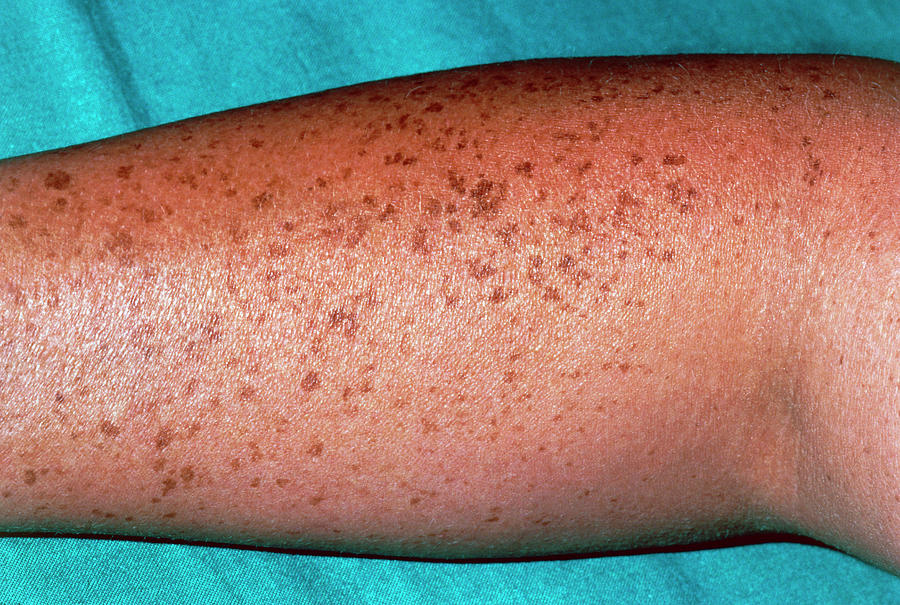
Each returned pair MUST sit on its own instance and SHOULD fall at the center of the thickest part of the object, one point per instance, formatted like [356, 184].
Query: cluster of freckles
[503, 233]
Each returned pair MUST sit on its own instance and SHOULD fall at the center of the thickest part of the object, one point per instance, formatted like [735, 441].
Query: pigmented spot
[149, 215]
[434, 107]
[419, 242]
[343, 321]
[565, 263]
[359, 226]
[636, 159]
[626, 204]
[262, 201]
[124, 172]
[579, 221]
[310, 382]
[480, 270]
[29, 477]
[60, 204]
[316, 500]
[508, 234]
[399, 159]
[246, 393]
[188, 179]
[389, 211]
[163, 438]
[524, 168]
[58, 180]
[565, 136]
[433, 207]
[437, 144]
[168, 485]
[457, 183]
[552, 294]
[120, 245]
[187, 474]
[498, 295]
[281, 481]
[17, 221]
[315, 450]
[667, 255]
[681, 196]
[673, 160]
[485, 205]
[212, 331]
[469, 82]
[530, 87]
[256, 143]
[109, 429]
[277, 250]
[813, 170]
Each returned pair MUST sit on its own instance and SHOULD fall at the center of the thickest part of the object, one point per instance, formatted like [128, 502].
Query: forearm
[519, 309]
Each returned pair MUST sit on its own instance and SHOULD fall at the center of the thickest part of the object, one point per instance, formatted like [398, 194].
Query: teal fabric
[76, 70]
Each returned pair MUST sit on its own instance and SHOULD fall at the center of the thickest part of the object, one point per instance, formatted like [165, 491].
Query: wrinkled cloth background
[75, 70]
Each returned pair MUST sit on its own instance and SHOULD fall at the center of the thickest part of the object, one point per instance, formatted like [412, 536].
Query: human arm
[531, 308]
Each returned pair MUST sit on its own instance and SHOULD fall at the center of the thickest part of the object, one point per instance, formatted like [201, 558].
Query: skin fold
[532, 308]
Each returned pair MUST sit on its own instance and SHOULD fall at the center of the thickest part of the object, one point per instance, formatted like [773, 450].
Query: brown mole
[163, 438]
[310, 381]
[109, 429]
[57, 179]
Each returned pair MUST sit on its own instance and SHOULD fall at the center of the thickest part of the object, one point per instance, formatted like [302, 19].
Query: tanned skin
[532, 308]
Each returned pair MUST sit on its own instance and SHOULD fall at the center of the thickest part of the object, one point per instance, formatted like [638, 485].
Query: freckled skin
[542, 307]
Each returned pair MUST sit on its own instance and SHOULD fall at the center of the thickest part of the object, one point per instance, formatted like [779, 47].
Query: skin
[533, 308]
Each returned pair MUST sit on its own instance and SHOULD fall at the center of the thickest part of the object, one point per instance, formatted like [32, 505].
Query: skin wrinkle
[613, 278]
